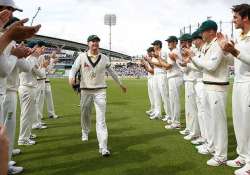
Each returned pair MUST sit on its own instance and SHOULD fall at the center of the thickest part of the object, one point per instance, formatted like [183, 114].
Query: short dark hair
[150, 49]
[242, 9]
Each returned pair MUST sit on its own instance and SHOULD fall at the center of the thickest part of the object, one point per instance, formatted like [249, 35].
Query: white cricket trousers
[1, 109]
[215, 114]
[98, 97]
[27, 98]
[241, 118]
[10, 106]
[160, 86]
[191, 111]
[199, 90]
[174, 96]
[40, 100]
[151, 93]
[49, 100]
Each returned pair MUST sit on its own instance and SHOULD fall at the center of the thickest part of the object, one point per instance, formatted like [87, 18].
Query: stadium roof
[75, 46]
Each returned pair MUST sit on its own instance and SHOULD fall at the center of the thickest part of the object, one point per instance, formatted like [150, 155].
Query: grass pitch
[139, 146]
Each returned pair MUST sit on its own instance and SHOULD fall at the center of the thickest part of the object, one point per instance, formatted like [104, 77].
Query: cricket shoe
[190, 137]
[149, 112]
[203, 150]
[33, 136]
[53, 117]
[12, 163]
[245, 170]
[166, 118]
[85, 136]
[15, 170]
[26, 142]
[104, 152]
[173, 126]
[155, 117]
[199, 146]
[236, 163]
[216, 162]
[39, 126]
[16, 152]
[185, 132]
[42, 123]
[198, 141]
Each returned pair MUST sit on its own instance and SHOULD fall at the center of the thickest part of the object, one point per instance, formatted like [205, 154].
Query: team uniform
[10, 100]
[199, 99]
[151, 93]
[191, 108]
[160, 88]
[241, 104]
[27, 96]
[175, 80]
[7, 64]
[93, 91]
[216, 80]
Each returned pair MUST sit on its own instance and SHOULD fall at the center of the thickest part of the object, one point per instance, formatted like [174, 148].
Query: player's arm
[115, 78]
[24, 65]
[7, 64]
[155, 62]
[165, 64]
[38, 72]
[212, 63]
[147, 66]
[75, 68]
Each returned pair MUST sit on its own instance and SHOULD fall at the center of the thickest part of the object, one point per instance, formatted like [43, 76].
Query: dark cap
[39, 43]
[157, 43]
[31, 44]
[172, 38]
[150, 49]
[185, 37]
[93, 38]
[208, 25]
[196, 35]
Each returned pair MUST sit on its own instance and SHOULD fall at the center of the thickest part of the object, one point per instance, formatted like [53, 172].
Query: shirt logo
[86, 65]
[214, 58]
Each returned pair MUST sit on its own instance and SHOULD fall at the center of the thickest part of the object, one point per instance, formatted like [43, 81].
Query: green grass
[139, 146]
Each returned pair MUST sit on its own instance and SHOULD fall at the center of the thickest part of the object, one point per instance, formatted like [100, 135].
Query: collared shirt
[215, 65]
[175, 71]
[242, 63]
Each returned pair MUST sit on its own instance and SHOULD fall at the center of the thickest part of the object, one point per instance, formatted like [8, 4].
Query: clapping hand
[19, 32]
[4, 17]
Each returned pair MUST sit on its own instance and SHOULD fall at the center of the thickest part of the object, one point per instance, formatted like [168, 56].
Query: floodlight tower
[33, 18]
[110, 20]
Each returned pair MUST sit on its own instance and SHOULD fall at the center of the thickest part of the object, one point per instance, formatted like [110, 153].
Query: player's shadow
[125, 155]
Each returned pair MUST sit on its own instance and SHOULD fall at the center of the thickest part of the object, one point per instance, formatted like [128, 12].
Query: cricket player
[10, 100]
[43, 64]
[241, 89]
[48, 92]
[189, 77]
[149, 68]
[27, 94]
[216, 80]
[93, 66]
[160, 83]
[174, 79]
[199, 89]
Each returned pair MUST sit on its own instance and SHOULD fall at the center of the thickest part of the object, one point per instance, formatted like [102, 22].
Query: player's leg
[101, 127]
[86, 106]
